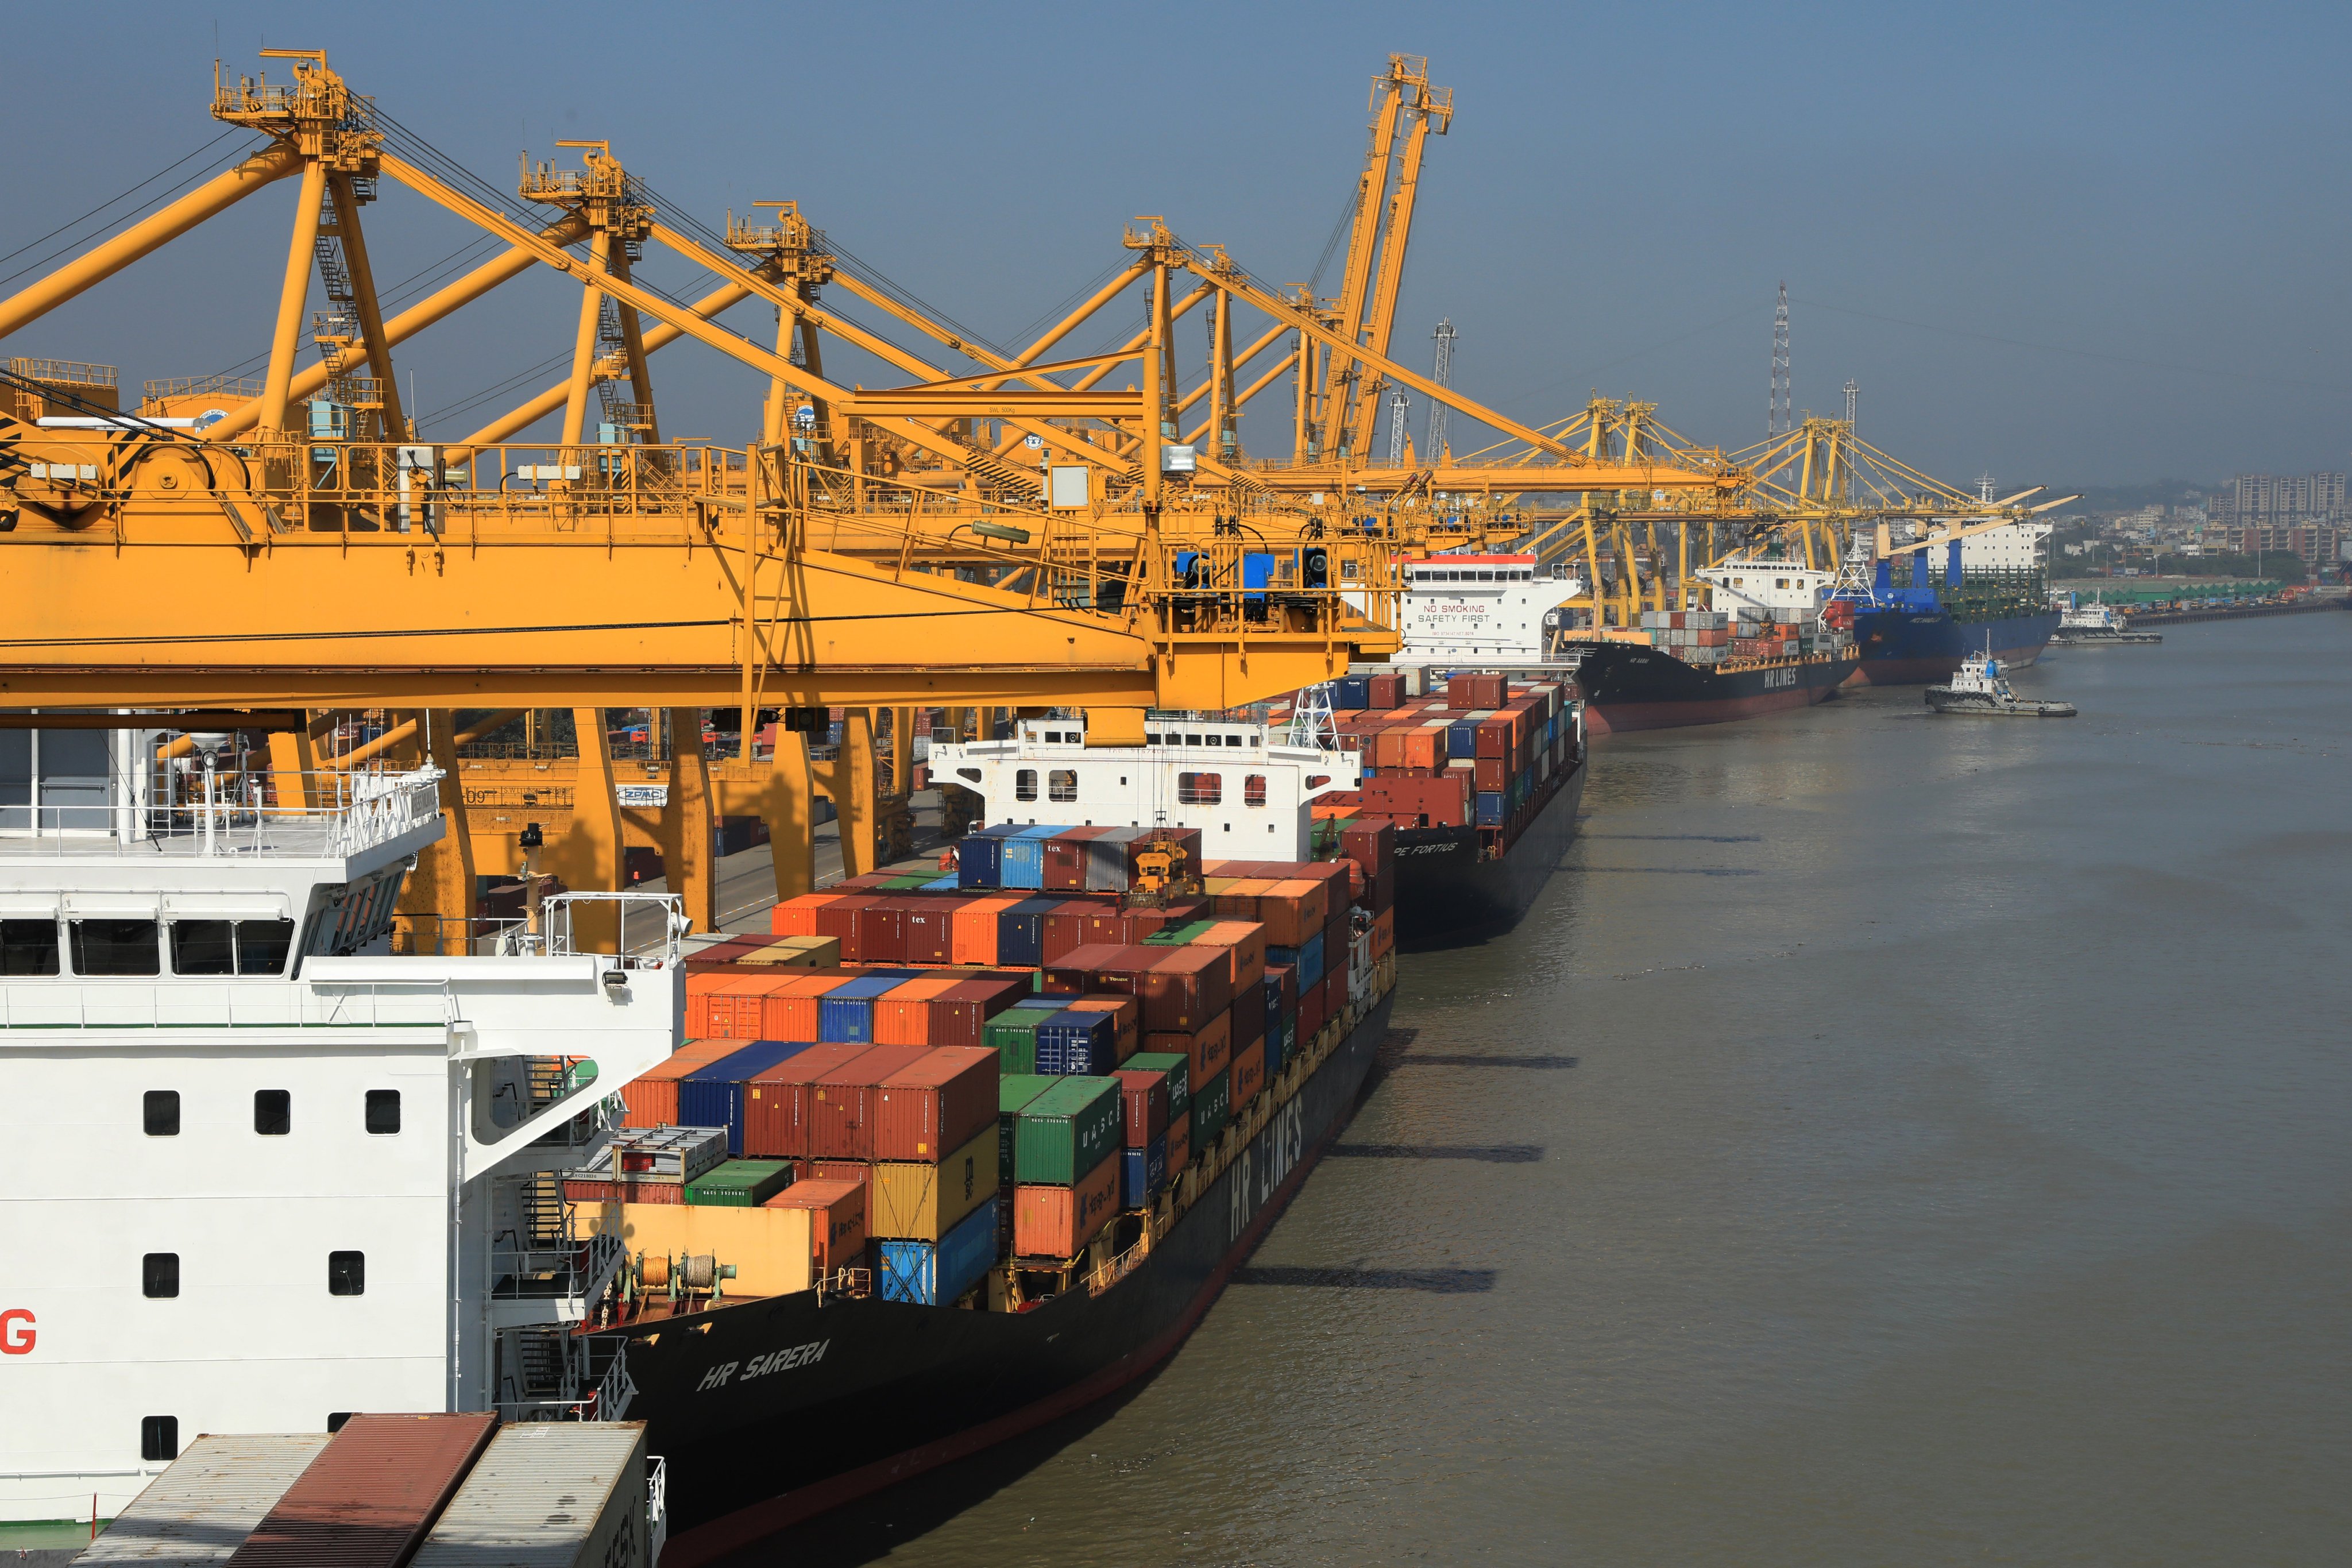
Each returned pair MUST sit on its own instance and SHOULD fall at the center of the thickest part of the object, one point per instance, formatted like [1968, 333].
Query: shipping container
[1063, 1133]
[1064, 869]
[206, 1501]
[929, 932]
[844, 1015]
[1143, 1106]
[1012, 1035]
[713, 1096]
[1077, 1044]
[740, 1183]
[789, 1011]
[548, 1494]
[1178, 1068]
[1213, 1107]
[836, 1210]
[1014, 1093]
[1063, 929]
[1185, 990]
[877, 932]
[974, 924]
[1180, 1141]
[1021, 933]
[935, 1274]
[1142, 1172]
[651, 1097]
[1025, 857]
[979, 859]
[1127, 1021]
[937, 1102]
[367, 1500]
[1247, 1075]
[1244, 943]
[902, 1016]
[1245, 1020]
[1110, 858]
[778, 1104]
[1206, 1049]
[843, 1104]
[773, 1248]
[921, 1200]
[796, 916]
[1057, 1221]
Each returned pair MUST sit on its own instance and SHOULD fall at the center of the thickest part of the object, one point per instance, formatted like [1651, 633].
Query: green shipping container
[1178, 1068]
[740, 1183]
[1014, 1091]
[1063, 1133]
[1212, 1108]
[1179, 935]
[1013, 1036]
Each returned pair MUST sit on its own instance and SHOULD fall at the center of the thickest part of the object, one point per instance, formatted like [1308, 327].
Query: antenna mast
[1777, 420]
[1443, 376]
[1399, 407]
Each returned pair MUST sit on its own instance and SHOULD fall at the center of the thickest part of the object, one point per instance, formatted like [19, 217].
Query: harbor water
[1889, 1138]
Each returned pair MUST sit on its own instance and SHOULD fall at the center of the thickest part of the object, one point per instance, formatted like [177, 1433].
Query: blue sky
[2072, 245]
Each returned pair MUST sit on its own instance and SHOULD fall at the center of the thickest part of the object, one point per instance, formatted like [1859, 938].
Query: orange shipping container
[797, 916]
[1420, 749]
[1388, 749]
[1244, 943]
[936, 1103]
[1384, 934]
[975, 929]
[903, 1016]
[1238, 900]
[1180, 1143]
[736, 1006]
[1131, 1020]
[842, 1103]
[1058, 1222]
[1209, 1047]
[651, 1097]
[776, 1104]
[1249, 1075]
[836, 1221]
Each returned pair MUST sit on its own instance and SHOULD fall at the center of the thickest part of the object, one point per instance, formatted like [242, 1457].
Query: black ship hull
[1631, 686]
[771, 1412]
[1449, 891]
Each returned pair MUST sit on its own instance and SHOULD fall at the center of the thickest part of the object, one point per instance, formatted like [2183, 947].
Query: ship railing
[593, 1374]
[46, 1004]
[1120, 1266]
[648, 929]
[211, 815]
[568, 1275]
[851, 1283]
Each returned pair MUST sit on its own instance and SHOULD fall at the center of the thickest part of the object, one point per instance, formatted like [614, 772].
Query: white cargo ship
[260, 1170]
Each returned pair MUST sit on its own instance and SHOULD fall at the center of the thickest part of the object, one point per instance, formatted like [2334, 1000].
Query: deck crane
[254, 567]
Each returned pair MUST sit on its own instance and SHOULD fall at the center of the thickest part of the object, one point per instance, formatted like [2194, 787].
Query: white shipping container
[201, 1508]
[551, 1494]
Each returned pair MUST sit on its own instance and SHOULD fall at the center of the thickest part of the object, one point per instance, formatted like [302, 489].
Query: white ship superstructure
[1240, 781]
[1775, 590]
[258, 1171]
[1479, 609]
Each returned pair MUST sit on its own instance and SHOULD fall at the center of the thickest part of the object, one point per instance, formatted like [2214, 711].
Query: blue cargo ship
[1917, 632]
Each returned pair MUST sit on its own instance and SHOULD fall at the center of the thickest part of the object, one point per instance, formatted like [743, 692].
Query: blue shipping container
[932, 1275]
[1273, 989]
[712, 1096]
[1077, 1043]
[1491, 809]
[1462, 739]
[979, 858]
[1021, 933]
[1310, 960]
[1145, 1173]
[1025, 858]
[1354, 691]
[844, 1015]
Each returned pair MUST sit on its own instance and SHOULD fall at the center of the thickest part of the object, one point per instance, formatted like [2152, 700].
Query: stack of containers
[713, 1096]
[1066, 1172]
[934, 1184]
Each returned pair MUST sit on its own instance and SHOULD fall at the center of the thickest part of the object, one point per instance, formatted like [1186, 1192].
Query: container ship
[1479, 773]
[947, 1157]
[1763, 648]
[1917, 632]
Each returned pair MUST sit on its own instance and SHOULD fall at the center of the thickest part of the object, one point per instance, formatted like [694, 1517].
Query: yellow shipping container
[771, 1248]
[797, 952]
[907, 1200]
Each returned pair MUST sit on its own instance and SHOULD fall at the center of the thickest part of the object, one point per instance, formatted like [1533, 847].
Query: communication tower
[1443, 375]
[1777, 420]
[1399, 407]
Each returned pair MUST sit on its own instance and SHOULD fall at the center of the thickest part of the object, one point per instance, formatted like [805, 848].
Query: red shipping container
[370, 1496]
[1185, 989]
[1493, 774]
[1335, 994]
[1244, 943]
[931, 930]
[1074, 973]
[777, 1104]
[832, 917]
[1064, 928]
[837, 1220]
[986, 995]
[1180, 1143]
[1207, 1049]
[1310, 1016]
[1248, 1016]
[1129, 1015]
[1058, 1222]
[1249, 1075]
[878, 933]
[842, 1103]
[1066, 859]
[651, 1097]
[1106, 926]
[935, 1105]
[1144, 1097]
[1371, 846]
[1387, 690]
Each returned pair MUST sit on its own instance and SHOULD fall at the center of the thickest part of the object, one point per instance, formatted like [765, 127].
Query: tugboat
[1980, 688]
[2095, 625]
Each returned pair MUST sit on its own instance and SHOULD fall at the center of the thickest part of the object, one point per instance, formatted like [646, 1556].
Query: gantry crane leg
[443, 883]
[588, 857]
[293, 763]
[848, 781]
[685, 822]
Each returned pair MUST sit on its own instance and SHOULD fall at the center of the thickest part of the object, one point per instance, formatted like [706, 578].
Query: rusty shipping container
[367, 1500]
[548, 1494]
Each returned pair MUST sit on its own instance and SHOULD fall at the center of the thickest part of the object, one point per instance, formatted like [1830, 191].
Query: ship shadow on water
[1395, 1050]
[1440, 1282]
[1490, 1154]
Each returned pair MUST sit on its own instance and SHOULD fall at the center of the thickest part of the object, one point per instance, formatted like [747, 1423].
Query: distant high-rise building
[2278, 500]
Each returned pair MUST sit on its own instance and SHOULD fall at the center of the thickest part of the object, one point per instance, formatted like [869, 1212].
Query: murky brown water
[1889, 1140]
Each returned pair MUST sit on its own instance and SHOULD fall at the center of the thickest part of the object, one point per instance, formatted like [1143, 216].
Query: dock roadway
[1887, 1140]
